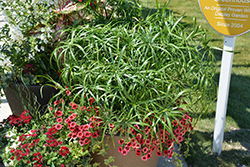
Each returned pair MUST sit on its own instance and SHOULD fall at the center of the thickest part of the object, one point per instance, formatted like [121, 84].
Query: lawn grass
[236, 145]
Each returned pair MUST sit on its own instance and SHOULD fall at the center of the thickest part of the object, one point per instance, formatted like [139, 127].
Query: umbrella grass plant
[148, 75]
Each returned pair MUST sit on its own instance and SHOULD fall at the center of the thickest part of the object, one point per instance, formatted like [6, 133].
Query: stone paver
[4, 109]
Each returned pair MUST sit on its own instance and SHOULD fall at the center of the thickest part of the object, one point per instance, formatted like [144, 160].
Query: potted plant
[69, 135]
[132, 85]
[33, 32]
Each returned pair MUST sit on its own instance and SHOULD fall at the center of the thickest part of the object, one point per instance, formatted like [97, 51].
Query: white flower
[42, 48]
[43, 30]
[36, 48]
[9, 164]
[30, 56]
[9, 134]
[16, 33]
[48, 29]
[5, 16]
[14, 145]
[42, 37]
[45, 41]
[29, 24]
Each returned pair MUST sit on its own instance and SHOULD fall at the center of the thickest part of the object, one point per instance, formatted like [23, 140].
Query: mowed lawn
[236, 146]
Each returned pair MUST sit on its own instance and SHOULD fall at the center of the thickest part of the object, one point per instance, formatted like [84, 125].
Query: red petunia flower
[74, 106]
[58, 126]
[177, 131]
[83, 108]
[158, 153]
[58, 113]
[74, 115]
[61, 100]
[86, 127]
[81, 142]
[138, 152]
[124, 152]
[91, 100]
[145, 150]
[87, 134]
[59, 120]
[80, 134]
[121, 141]
[120, 149]
[149, 155]
[19, 158]
[70, 135]
[72, 124]
[180, 138]
[144, 158]
[68, 92]
[129, 144]
[67, 120]
[190, 126]
[127, 148]
[175, 122]
[56, 102]
[86, 141]
[95, 135]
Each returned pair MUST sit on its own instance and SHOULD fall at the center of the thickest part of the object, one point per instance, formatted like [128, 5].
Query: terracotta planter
[32, 97]
[129, 160]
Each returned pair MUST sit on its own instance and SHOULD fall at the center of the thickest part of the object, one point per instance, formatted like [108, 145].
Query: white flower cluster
[15, 143]
[25, 16]
[16, 33]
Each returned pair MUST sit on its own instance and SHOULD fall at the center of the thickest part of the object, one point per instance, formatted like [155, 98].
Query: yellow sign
[228, 17]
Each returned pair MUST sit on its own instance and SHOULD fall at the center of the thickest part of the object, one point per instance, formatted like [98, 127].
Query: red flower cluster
[28, 147]
[144, 148]
[141, 141]
[24, 149]
[24, 118]
[64, 151]
[83, 133]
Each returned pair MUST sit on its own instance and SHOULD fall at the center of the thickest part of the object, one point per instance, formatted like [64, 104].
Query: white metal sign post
[224, 84]
[229, 18]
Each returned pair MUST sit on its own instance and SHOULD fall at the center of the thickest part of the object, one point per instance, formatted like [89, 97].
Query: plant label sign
[227, 17]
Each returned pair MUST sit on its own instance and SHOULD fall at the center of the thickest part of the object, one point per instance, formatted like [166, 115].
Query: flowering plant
[71, 133]
[33, 31]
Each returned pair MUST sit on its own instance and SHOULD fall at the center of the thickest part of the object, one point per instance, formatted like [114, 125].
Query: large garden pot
[129, 160]
[31, 97]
